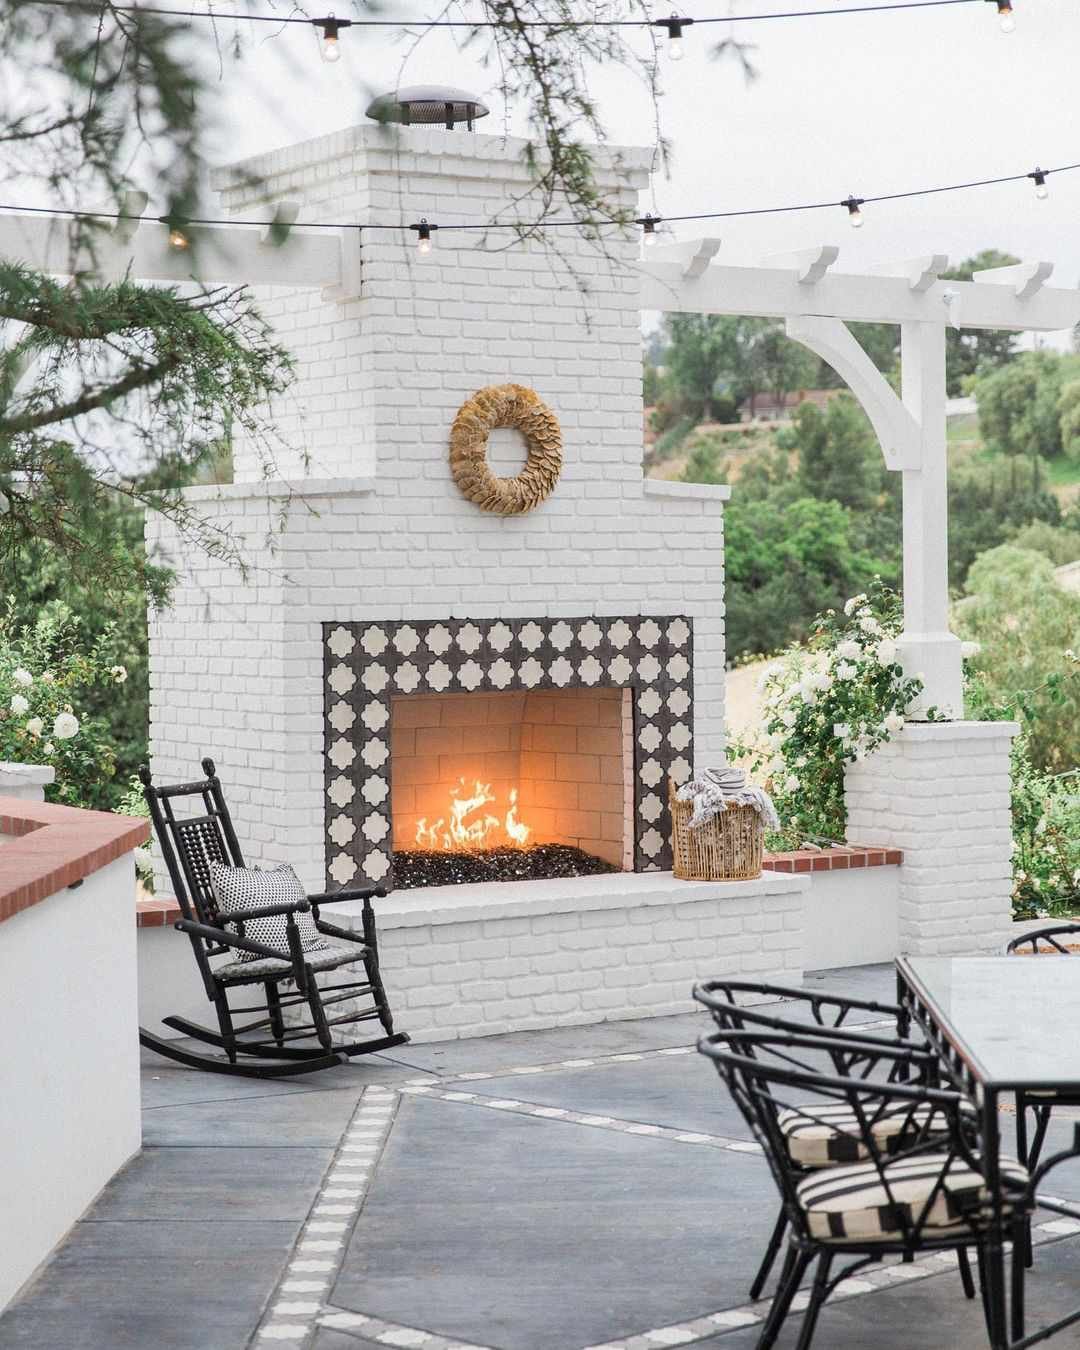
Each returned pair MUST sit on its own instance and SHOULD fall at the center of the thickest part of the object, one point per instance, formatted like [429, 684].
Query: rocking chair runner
[189, 846]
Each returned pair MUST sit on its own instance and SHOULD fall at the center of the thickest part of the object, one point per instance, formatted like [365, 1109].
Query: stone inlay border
[366, 664]
[316, 1257]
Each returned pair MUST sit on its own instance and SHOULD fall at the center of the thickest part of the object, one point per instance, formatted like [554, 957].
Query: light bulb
[648, 224]
[423, 236]
[1006, 17]
[1039, 179]
[331, 27]
[674, 27]
[855, 215]
[178, 239]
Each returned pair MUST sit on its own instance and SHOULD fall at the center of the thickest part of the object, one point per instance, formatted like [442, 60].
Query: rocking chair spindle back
[189, 846]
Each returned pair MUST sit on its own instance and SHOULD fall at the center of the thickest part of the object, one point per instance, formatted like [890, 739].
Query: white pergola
[815, 301]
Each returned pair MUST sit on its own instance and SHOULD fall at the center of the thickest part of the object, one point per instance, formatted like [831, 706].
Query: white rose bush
[828, 704]
[46, 673]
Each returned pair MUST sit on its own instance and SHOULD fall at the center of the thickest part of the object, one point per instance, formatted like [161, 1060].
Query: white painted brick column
[940, 792]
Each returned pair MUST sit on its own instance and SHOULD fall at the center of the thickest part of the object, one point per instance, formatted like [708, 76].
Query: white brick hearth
[473, 961]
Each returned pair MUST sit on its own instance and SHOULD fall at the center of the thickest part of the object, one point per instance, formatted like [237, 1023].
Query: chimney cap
[426, 104]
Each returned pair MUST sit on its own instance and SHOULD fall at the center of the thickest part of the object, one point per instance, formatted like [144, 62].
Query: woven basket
[727, 848]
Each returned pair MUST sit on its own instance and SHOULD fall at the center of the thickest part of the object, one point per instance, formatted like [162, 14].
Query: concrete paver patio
[480, 1193]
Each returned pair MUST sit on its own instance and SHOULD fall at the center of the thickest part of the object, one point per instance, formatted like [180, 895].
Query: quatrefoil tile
[368, 664]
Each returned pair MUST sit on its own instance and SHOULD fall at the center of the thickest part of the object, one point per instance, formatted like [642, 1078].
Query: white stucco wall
[69, 1062]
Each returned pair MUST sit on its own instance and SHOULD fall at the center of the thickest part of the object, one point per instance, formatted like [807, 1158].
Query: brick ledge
[836, 859]
[55, 846]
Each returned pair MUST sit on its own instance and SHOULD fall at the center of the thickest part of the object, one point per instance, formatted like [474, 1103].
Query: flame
[461, 831]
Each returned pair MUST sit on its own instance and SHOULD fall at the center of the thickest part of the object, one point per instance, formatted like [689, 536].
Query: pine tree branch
[139, 377]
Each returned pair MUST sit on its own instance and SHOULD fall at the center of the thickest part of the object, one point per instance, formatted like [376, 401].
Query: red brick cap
[840, 857]
[56, 846]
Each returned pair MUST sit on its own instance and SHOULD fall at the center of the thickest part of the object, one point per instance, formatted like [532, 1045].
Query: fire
[470, 826]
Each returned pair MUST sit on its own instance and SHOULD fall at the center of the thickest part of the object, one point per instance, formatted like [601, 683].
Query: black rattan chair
[814, 1144]
[921, 1191]
[293, 1011]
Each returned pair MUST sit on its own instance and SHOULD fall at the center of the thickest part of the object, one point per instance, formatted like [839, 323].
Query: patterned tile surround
[366, 664]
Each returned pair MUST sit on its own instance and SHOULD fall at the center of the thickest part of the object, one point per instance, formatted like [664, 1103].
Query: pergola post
[927, 647]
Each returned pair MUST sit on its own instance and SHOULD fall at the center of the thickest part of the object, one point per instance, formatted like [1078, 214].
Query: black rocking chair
[266, 1047]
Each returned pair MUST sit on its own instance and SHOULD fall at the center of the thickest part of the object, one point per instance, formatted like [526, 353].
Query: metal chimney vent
[428, 104]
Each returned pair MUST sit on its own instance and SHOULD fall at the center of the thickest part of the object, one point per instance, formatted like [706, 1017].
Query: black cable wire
[95, 5]
[180, 221]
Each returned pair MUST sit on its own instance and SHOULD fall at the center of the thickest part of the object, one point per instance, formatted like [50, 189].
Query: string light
[674, 27]
[180, 224]
[178, 238]
[216, 16]
[423, 235]
[331, 47]
[1006, 18]
[648, 224]
[854, 208]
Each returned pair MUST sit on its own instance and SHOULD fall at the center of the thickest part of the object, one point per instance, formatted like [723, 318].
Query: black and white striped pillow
[240, 888]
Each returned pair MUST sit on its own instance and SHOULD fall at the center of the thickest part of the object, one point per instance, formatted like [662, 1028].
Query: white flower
[791, 784]
[886, 651]
[854, 603]
[844, 671]
[801, 762]
[789, 717]
[47, 677]
[119, 673]
[65, 726]
[820, 679]
[870, 625]
[22, 677]
[893, 722]
[849, 650]
[841, 730]
[970, 649]
[35, 726]
[775, 740]
[49, 748]
[19, 705]
[775, 766]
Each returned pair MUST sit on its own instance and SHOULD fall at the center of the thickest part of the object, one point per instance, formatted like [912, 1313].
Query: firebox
[477, 750]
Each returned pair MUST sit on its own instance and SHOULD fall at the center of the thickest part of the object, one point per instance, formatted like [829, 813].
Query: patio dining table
[1001, 1024]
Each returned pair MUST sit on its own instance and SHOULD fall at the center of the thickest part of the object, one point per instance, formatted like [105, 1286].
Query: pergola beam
[777, 293]
[809, 264]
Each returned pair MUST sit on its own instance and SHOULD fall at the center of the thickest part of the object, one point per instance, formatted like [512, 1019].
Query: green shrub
[47, 671]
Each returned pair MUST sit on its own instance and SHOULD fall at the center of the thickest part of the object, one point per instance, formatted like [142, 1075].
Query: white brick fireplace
[377, 537]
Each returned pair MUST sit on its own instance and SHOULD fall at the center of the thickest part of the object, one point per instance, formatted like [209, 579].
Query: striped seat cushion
[851, 1203]
[822, 1134]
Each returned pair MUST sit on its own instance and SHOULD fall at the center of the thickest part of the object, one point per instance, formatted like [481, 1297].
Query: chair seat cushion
[329, 957]
[240, 888]
[822, 1134]
[852, 1204]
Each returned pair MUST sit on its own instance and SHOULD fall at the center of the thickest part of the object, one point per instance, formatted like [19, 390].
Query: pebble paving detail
[300, 1302]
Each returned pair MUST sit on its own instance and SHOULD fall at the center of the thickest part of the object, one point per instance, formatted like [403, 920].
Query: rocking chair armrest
[264, 911]
[349, 893]
[224, 939]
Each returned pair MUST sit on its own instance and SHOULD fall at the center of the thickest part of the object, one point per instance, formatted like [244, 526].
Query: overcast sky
[843, 104]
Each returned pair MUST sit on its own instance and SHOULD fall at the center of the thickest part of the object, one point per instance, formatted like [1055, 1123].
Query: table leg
[995, 1246]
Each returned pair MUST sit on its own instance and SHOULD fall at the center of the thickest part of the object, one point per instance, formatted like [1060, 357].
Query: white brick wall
[940, 792]
[236, 666]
